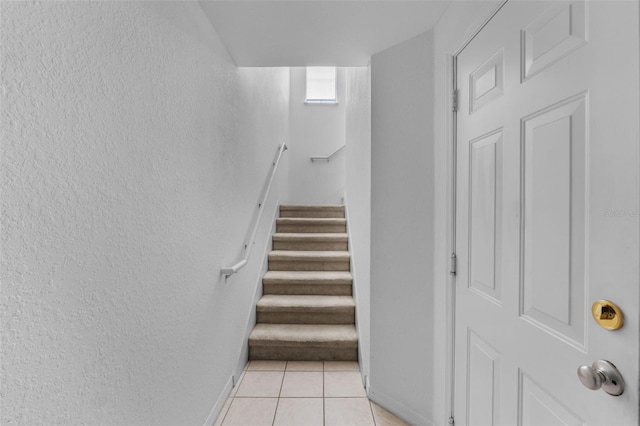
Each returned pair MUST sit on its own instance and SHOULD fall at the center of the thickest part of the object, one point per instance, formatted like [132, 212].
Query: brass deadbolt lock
[607, 314]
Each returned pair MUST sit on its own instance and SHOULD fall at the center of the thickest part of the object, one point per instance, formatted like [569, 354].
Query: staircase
[307, 312]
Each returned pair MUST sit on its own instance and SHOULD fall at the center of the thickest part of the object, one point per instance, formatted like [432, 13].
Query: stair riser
[308, 289]
[334, 214]
[310, 245]
[278, 265]
[347, 317]
[307, 353]
[312, 229]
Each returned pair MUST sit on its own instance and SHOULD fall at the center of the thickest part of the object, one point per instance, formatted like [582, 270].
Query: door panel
[486, 82]
[483, 380]
[553, 219]
[539, 407]
[547, 213]
[558, 31]
[484, 218]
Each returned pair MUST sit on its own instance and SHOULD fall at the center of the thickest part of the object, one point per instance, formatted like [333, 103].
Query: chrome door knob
[602, 374]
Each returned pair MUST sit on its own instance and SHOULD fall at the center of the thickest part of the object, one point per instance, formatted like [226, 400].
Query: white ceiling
[267, 33]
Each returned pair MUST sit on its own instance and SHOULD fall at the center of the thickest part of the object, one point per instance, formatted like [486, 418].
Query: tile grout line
[373, 416]
[279, 393]
[324, 406]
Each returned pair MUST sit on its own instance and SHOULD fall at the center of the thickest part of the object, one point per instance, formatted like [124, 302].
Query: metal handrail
[230, 270]
[329, 156]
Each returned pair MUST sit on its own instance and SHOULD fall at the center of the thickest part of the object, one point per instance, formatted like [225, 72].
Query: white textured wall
[358, 199]
[316, 130]
[402, 190]
[455, 26]
[133, 155]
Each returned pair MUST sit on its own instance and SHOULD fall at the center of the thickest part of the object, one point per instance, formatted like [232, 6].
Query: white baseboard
[363, 354]
[354, 289]
[398, 408]
[217, 407]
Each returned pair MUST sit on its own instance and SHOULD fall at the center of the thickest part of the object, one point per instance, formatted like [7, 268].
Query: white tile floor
[302, 393]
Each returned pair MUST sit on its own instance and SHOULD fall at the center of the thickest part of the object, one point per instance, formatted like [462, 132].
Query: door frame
[452, 153]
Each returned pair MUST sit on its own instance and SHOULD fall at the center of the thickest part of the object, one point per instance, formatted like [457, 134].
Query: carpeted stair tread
[336, 283]
[314, 277]
[308, 260]
[311, 225]
[309, 256]
[337, 207]
[310, 241]
[303, 303]
[325, 211]
[311, 221]
[305, 309]
[340, 335]
[310, 236]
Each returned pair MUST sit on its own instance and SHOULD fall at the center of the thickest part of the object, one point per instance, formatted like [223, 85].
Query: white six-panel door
[547, 213]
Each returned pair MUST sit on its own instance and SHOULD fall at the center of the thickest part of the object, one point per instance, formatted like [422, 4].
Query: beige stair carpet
[307, 312]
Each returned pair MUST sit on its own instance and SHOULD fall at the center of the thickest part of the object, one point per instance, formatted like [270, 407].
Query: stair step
[336, 283]
[312, 211]
[303, 342]
[298, 309]
[280, 260]
[307, 312]
[310, 225]
[310, 241]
